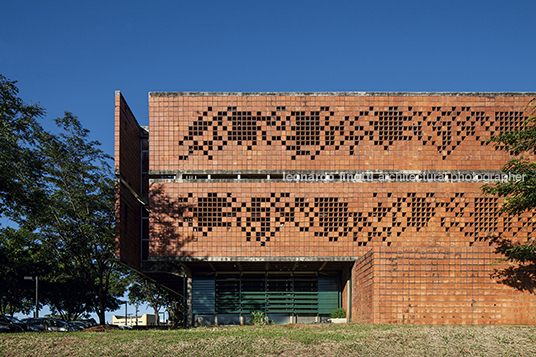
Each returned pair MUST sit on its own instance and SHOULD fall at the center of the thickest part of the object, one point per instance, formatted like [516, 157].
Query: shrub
[338, 313]
[258, 318]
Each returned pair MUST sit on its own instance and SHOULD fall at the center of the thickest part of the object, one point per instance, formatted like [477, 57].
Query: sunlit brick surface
[424, 250]
[329, 132]
[329, 219]
[436, 285]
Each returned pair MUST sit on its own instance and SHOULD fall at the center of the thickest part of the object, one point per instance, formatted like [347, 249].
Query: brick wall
[128, 183]
[436, 285]
[363, 308]
[263, 219]
[426, 248]
[330, 132]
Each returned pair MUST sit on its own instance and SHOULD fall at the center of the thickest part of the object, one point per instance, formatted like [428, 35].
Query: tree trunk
[101, 310]
[102, 317]
[157, 315]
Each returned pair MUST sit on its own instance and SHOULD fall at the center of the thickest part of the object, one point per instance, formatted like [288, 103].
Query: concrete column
[189, 307]
[349, 291]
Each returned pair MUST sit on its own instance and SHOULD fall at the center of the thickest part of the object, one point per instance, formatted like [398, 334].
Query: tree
[20, 167]
[78, 221]
[142, 291]
[20, 255]
[67, 297]
[60, 191]
[176, 313]
[519, 196]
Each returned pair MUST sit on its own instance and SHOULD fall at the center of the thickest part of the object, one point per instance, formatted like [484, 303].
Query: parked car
[4, 328]
[13, 324]
[7, 327]
[48, 324]
[77, 325]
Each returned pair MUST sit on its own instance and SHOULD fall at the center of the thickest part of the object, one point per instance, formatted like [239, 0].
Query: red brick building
[299, 203]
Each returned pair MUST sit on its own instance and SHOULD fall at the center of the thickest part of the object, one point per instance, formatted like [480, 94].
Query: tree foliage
[20, 167]
[20, 255]
[59, 189]
[519, 196]
[77, 222]
[67, 296]
[144, 291]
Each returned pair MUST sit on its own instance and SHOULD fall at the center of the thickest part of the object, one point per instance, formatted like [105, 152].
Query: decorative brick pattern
[312, 219]
[329, 133]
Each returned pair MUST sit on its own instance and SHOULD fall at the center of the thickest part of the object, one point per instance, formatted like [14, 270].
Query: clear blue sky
[73, 55]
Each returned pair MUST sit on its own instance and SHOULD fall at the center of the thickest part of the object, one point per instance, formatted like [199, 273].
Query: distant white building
[143, 320]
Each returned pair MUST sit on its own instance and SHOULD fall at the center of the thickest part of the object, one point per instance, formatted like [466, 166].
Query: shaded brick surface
[128, 184]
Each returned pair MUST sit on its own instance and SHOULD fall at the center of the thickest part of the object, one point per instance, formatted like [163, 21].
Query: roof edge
[257, 259]
[341, 94]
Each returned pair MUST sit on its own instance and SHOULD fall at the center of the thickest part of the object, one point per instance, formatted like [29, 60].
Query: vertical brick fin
[129, 139]
[363, 289]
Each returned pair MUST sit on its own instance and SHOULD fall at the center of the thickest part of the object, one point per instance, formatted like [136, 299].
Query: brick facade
[329, 132]
[262, 219]
[129, 142]
[436, 285]
[390, 179]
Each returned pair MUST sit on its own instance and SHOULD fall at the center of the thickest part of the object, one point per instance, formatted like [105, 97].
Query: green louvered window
[294, 293]
[253, 292]
[328, 293]
[203, 295]
[228, 293]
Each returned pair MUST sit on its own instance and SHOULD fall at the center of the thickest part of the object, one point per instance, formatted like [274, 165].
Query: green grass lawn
[287, 340]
